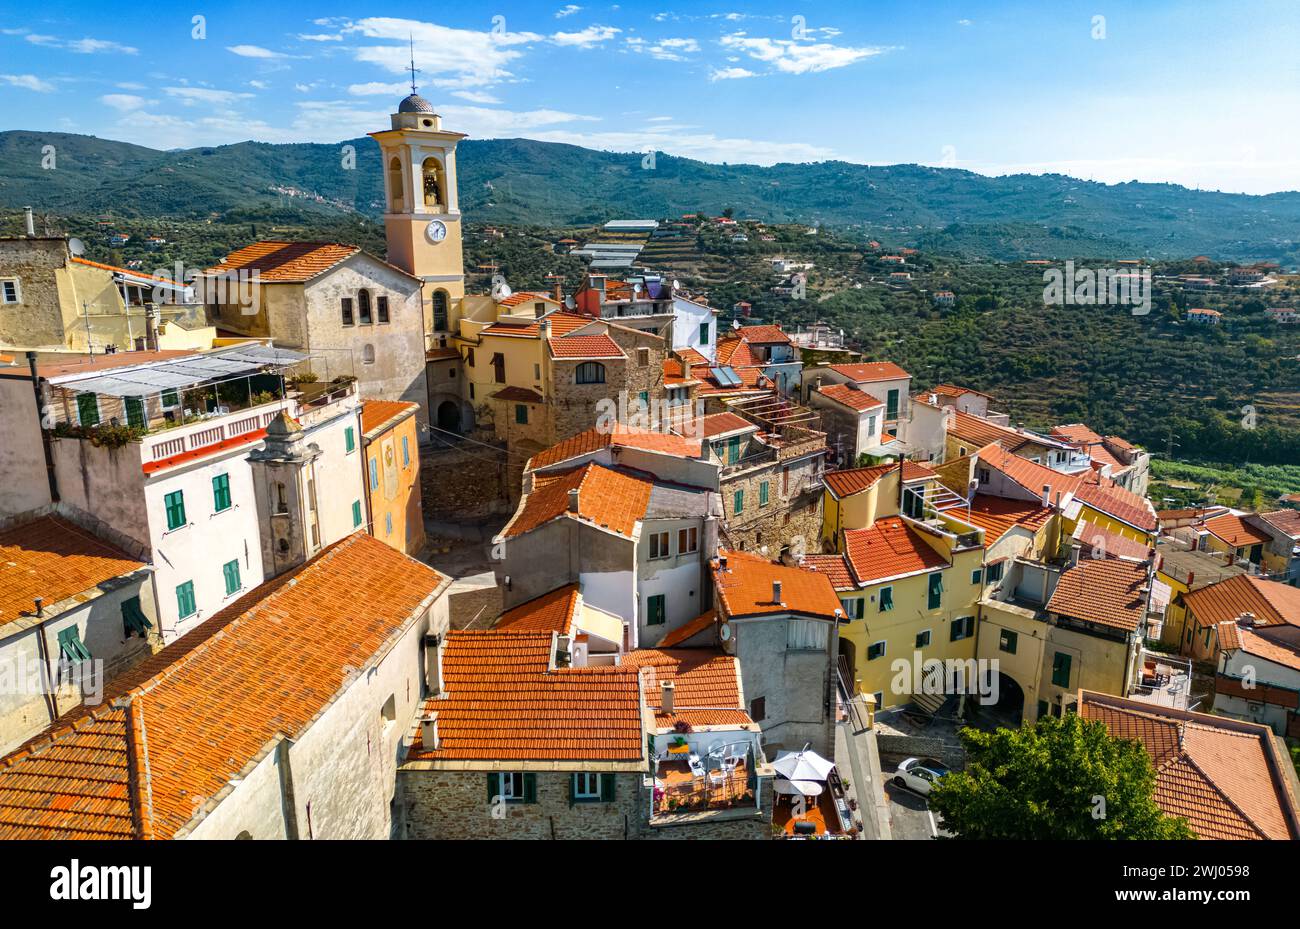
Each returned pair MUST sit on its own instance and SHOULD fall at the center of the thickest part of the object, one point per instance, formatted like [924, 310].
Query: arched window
[368, 354]
[440, 308]
[395, 185]
[433, 186]
[363, 308]
[591, 372]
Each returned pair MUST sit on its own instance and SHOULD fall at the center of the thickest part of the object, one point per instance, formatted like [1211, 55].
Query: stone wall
[466, 483]
[787, 520]
[37, 320]
[573, 405]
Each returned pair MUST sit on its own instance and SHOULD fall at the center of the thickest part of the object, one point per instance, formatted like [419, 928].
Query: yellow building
[856, 498]
[392, 474]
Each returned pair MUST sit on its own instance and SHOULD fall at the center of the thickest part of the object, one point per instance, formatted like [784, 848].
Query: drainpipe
[43, 647]
[45, 436]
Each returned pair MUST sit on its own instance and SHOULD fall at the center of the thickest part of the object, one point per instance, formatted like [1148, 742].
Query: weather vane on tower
[414, 69]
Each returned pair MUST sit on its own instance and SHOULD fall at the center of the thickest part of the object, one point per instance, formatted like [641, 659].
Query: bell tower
[422, 207]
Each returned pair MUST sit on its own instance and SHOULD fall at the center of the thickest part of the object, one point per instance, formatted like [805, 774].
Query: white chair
[697, 767]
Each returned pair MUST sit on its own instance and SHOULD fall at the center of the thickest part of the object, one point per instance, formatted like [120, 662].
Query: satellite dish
[677, 285]
[76, 247]
[569, 302]
[636, 288]
[735, 324]
[724, 632]
[500, 289]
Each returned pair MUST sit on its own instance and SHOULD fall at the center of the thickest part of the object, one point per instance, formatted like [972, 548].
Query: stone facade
[464, 485]
[792, 517]
[36, 321]
[573, 406]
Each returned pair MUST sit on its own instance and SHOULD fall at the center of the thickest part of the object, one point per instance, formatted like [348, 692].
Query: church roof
[414, 103]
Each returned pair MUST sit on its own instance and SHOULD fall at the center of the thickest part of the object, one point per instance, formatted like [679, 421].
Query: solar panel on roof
[726, 376]
[185, 372]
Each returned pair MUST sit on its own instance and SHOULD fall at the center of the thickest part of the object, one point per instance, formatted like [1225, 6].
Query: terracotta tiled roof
[953, 390]
[441, 354]
[1286, 522]
[855, 480]
[1076, 434]
[526, 296]
[1122, 504]
[997, 515]
[53, 559]
[560, 323]
[1098, 542]
[701, 623]
[115, 268]
[551, 612]
[855, 399]
[1103, 591]
[614, 499]
[706, 685]
[575, 347]
[890, 548]
[763, 335]
[979, 431]
[501, 701]
[834, 567]
[735, 351]
[595, 439]
[1222, 775]
[85, 364]
[286, 262]
[745, 588]
[871, 371]
[514, 394]
[1236, 531]
[1271, 603]
[377, 413]
[716, 424]
[197, 712]
[691, 357]
[1264, 646]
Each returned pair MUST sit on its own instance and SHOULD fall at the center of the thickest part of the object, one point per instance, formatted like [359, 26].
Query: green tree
[1060, 779]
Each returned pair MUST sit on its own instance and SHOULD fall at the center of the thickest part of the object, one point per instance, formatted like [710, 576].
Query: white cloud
[28, 81]
[586, 38]
[254, 51]
[664, 49]
[260, 85]
[191, 95]
[124, 102]
[455, 58]
[963, 22]
[321, 37]
[793, 57]
[128, 85]
[377, 88]
[568, 10]
[475, 96]
[730, 74]
[86, 46]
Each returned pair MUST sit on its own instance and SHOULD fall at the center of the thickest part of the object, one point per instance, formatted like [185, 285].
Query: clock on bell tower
[422, 208]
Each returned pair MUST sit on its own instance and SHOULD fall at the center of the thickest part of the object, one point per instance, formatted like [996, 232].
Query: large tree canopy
[1060, 779]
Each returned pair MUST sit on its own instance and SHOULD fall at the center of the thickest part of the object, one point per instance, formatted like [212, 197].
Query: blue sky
[1204, 92]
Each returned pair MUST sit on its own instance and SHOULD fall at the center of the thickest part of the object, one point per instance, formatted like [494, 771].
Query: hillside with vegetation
[524, 181]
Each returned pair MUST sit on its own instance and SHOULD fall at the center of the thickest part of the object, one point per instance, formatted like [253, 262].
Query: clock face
[436, 230]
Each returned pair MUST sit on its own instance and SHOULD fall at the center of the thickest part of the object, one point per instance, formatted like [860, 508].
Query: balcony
[698, 775]
[1163, 680]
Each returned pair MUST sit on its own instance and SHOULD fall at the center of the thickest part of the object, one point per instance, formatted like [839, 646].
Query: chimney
[1191, 576]
[40, 606]
[1247, 619]
[151, 328]
[722, 562]
[559, 289]
[1047, 495]
[29, 222]
[1075, 551]
[429, 732]
[573, 500]
[776, 591]
[666, 689]
[597, 282]
[433, 663]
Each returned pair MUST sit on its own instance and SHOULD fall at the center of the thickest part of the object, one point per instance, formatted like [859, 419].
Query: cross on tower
[414, 69]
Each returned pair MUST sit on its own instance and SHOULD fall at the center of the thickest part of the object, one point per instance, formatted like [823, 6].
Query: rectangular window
[993, 573]
[230, 570]
[852, 607]
[586, 787]
[1007, 641]
[655, 610]
[135, 413]
[469, 357]
[499, 368]
[356, 513]
[733, 449]
[170, 399]
[886, 599]
[935, 592]
[738, 503]
[374, 474]
[762, 493]
[1042, 709]
[1061, 670]
[175, 504]
[876, 650]
[9, 291]
[406, 452]
[71, 646]
[221, 492]
[923, 638]
[350, 439]
[758, 709]
[88, 409]
[348, 318]
[871, 425]
[962, 628]
[704, 333]
[976, 576]
[381, 304]
[688, 541]
[643, 357]
[512, 787]
[134, 622]
[659, 545]
[807, 635]
[185, 605]
[521, 414]
[363, 308]
[891, 405]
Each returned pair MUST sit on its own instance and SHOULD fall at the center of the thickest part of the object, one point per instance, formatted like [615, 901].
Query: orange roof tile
[501, 701]
[763, 335]
[286, 262]
[691, 357]
[855, 399]
[1263, 645]
[1286, 522]
[384, 413]
[595, 439]
[706, 685]
[527, 296]
[1103, 591]
[1122, 504]
[855, 480]
[1076, 433]
[551, 612]
[1098, 542]
[889, 549]
[871, 371]
[137, 274]
[835, 567]
[559, 323]
[514, 394]
[614, 499]
[1235, 531]
[1222, 775]
[981, 432]
[53, 559]
[84, 364]
[997, 515]
[716, 424]
[1270, 602]
[745, 588]
[697, 625]
[269, 663]
[577, 347]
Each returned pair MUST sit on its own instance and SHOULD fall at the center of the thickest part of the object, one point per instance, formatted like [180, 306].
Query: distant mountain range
[555, 185]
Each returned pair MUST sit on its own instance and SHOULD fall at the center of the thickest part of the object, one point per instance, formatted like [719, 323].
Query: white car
[920, 774]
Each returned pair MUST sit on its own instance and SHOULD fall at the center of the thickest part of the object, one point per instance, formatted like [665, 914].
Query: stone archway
[449, 416]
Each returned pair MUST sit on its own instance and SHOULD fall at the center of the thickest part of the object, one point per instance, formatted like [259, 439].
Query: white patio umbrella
[807, 788]
[803, 766]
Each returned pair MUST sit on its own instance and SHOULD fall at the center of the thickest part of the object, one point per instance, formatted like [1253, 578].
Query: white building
[1259, 674]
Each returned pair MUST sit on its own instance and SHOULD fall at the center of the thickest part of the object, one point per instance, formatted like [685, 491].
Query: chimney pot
[429, 732]
[1047, 495]
[29, 222]
[40, 606]
[573, 500]
[776, 591]
[666, 696]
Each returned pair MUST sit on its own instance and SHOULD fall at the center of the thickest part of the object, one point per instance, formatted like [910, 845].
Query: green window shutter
[530, 788]
[891, 405]
[87, 409]
[886, 599]
[607, 788]
[175, 503]
[133, 618]
[231, 571]
[655, 610]
[356, 513]
[976, 576]
[762, 493]
[171, 398]
[135, 413]
[221, 492]
[406, 452]
[733, 449]
[936, 591]
[350, 437]
[521, 414]
[1061, 670]
[185, 599]
[738, 503]
[71, 647]
[704, 333]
